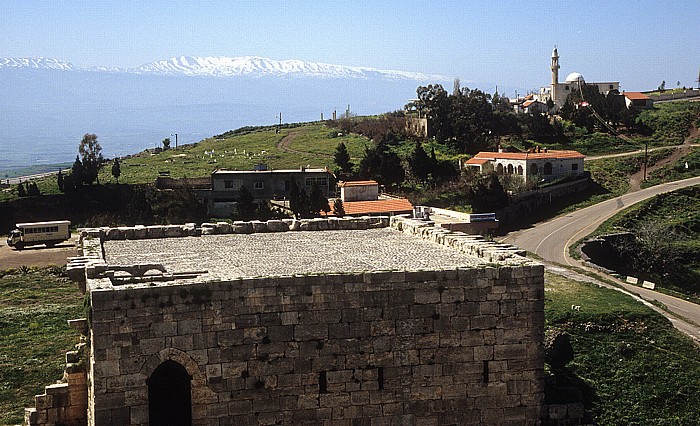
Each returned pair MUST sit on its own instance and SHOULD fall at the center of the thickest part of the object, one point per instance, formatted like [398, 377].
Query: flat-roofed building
[263, 184]
[352, 320]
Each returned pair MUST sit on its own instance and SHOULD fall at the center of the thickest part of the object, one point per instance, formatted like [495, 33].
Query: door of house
[170, 396]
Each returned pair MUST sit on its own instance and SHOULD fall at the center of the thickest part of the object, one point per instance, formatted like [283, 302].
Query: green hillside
[309, 144]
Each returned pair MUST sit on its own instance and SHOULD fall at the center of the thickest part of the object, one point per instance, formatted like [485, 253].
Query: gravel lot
[36, 256]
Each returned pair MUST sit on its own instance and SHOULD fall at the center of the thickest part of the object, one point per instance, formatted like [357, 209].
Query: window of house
[547, 168]
[566, 88]
[228, 184]
[611, 87]
[258, 184]
[574, 166]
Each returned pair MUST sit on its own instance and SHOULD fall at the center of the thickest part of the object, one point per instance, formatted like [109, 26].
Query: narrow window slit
[322, 382]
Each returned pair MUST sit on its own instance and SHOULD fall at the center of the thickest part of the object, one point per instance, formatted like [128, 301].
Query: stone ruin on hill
[366, 321]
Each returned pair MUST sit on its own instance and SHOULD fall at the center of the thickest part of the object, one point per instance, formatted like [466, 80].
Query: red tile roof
[393, 205]
[477, 161]
[358, 183]
[528, 103]
[526, 155]
[634, 96]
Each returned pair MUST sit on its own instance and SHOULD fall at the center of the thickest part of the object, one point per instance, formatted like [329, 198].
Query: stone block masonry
[402, 325]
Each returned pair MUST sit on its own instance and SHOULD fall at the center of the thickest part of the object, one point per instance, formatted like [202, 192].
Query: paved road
[638, 151]
[551, 240]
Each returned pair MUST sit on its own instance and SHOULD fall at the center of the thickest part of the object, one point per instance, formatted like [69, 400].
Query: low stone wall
[239, 227]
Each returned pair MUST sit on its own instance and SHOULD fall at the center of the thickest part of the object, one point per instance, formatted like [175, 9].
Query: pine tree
[20, 190]
[59, 179]
[294, 195]
[116, 169]
[246, 203]
[342, 160]
[78, 172]
[419, 162]
[317, 201]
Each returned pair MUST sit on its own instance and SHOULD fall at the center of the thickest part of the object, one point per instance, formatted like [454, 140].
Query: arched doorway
[510, 169]
[520, 170]
[169, 396]
[499, 168]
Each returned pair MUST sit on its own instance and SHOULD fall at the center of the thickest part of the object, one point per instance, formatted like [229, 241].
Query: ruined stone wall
[65, 402]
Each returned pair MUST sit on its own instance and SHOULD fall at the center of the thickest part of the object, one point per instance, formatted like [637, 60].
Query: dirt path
[36, 256]
[286, 142]
[679, 152]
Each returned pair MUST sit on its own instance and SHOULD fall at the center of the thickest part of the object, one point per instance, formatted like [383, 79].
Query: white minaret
[555, 67]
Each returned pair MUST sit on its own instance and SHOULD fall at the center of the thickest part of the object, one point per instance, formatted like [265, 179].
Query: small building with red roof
[361, 198]
[538, 163]
[638, 100]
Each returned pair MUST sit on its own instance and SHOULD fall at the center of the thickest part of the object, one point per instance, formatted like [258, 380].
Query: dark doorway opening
[170, 396]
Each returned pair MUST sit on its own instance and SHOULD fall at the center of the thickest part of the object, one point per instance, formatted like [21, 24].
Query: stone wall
[63, 403]
[455, 346]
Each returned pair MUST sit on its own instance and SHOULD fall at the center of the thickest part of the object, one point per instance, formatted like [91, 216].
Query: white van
[29, 234]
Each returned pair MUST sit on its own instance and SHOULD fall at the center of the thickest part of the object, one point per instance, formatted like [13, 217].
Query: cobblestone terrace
[271, 254]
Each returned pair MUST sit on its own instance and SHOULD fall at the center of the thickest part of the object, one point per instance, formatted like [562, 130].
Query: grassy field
[632, 366]
[312, 144]
[35, 306]
[677, 170]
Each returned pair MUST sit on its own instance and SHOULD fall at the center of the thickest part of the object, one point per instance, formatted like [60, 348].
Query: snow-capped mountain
[39, 63]
[256, 66]
[221, 66]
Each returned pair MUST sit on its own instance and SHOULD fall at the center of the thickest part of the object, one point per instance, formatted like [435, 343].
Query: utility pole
[175, 134]
[646, 155]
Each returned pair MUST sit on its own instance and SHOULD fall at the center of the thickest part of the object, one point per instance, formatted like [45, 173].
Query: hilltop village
[395, 269]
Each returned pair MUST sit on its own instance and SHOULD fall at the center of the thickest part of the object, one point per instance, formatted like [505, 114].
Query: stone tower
[555, 67]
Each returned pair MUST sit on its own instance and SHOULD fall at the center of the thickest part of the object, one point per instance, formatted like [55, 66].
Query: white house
[535, 164]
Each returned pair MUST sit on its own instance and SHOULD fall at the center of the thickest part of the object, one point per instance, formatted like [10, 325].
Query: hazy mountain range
[222, 66]
[48, 104]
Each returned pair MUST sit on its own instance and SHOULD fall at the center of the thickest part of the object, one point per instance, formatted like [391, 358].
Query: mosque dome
[574, 77]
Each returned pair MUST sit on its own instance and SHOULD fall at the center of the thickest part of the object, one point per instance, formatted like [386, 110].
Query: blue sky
[509, 43]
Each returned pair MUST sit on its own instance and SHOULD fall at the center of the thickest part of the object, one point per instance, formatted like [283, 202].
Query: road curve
[551, 240]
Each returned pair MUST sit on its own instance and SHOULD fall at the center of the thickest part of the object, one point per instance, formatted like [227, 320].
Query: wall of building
[425, 347]
[266, 184]
[359, 192]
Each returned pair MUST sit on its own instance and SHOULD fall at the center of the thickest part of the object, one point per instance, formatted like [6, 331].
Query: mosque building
[558, 92]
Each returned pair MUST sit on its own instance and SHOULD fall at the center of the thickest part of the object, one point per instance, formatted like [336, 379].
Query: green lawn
[632, 366]
[35, 306]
